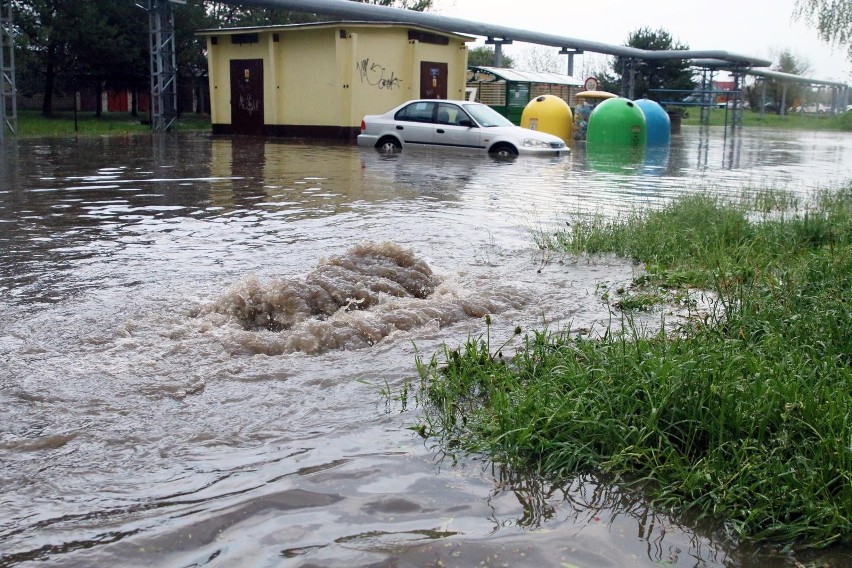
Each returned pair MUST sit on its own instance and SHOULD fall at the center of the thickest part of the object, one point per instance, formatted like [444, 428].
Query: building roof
[515, 76]
[320, 25]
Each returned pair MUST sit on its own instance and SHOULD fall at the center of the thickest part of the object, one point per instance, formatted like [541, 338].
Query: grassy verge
[743, 415]
[31, 124]
[839, 122]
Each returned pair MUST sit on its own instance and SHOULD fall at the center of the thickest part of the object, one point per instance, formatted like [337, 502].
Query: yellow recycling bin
[549, 113]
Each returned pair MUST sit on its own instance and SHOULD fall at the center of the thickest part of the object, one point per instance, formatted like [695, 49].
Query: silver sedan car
[460, 125]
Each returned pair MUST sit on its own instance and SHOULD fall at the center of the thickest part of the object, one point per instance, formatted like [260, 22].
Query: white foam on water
[351, 301]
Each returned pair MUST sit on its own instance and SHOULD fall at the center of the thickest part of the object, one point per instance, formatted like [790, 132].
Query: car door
[455, 128]
[414, 123]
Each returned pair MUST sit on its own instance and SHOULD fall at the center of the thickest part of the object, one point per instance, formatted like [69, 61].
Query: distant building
[192, 97]
[319, 80]
[727, 85]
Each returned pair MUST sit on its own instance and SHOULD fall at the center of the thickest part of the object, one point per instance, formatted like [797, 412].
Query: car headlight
[535, 143]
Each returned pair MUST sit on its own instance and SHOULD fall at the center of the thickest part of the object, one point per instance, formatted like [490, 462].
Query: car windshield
[486, 116]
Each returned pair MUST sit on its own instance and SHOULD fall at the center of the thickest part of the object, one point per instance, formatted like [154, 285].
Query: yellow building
[319, 80]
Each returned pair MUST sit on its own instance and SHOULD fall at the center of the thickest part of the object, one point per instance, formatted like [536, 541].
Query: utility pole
[8, 92]
[707, 99]
[498, 49]
[570, 53]
[628, 78]
[163, 66]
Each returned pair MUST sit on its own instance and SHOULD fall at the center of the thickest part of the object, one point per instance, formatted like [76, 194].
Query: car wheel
[504, 152]
[388, 145]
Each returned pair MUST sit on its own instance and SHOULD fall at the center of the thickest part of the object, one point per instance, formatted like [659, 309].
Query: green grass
[741, 416]
[839, 122]
[32, 124]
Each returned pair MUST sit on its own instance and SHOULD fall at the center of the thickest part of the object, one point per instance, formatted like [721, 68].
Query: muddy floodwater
[195, 334]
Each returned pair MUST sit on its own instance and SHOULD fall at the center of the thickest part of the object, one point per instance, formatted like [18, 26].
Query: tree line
[62, 45]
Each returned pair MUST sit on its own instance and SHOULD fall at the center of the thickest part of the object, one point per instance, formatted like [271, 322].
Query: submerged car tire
[388, 145]
[503, 151]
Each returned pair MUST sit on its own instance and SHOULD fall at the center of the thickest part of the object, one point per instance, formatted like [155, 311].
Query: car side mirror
[466, 122]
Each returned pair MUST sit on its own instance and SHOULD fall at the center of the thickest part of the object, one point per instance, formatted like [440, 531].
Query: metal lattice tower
[163, 66]
[8, 92]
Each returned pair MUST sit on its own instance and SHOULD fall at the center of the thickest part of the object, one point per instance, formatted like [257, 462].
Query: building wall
[381, 77]
[219, 72]
[307, 86]
[384, 69]
[327, 78]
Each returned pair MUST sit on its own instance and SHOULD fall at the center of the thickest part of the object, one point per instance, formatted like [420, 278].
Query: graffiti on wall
[248, 103]
[377, 75]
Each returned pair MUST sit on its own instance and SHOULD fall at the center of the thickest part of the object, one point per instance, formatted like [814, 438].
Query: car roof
[458, 102]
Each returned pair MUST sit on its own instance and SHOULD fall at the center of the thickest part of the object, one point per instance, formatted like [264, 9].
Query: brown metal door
[247, 96]
[433, 80]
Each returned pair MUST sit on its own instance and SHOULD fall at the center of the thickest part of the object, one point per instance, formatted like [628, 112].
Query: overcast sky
[760, 28]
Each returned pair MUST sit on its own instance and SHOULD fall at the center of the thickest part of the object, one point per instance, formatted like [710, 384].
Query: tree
[780, 93]
[789, 63]
[416, 5]
[608, 82]
[672, 74]
[598, 65]
[831, 18]
[118, 58]
[483, 56]
[62, 41]
[221, 14]
[540, 58]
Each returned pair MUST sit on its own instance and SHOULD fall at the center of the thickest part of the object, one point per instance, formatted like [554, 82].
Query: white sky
[759, 28]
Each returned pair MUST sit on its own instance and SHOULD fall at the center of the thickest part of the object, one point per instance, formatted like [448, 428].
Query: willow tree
[831, 18]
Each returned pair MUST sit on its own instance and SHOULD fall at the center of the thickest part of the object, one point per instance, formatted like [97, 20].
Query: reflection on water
[152, 411]
[586, 501]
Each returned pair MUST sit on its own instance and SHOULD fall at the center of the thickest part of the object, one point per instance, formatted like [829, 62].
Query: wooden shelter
[508, 91]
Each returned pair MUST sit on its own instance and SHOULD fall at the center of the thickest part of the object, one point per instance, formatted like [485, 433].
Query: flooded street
[196, 334]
